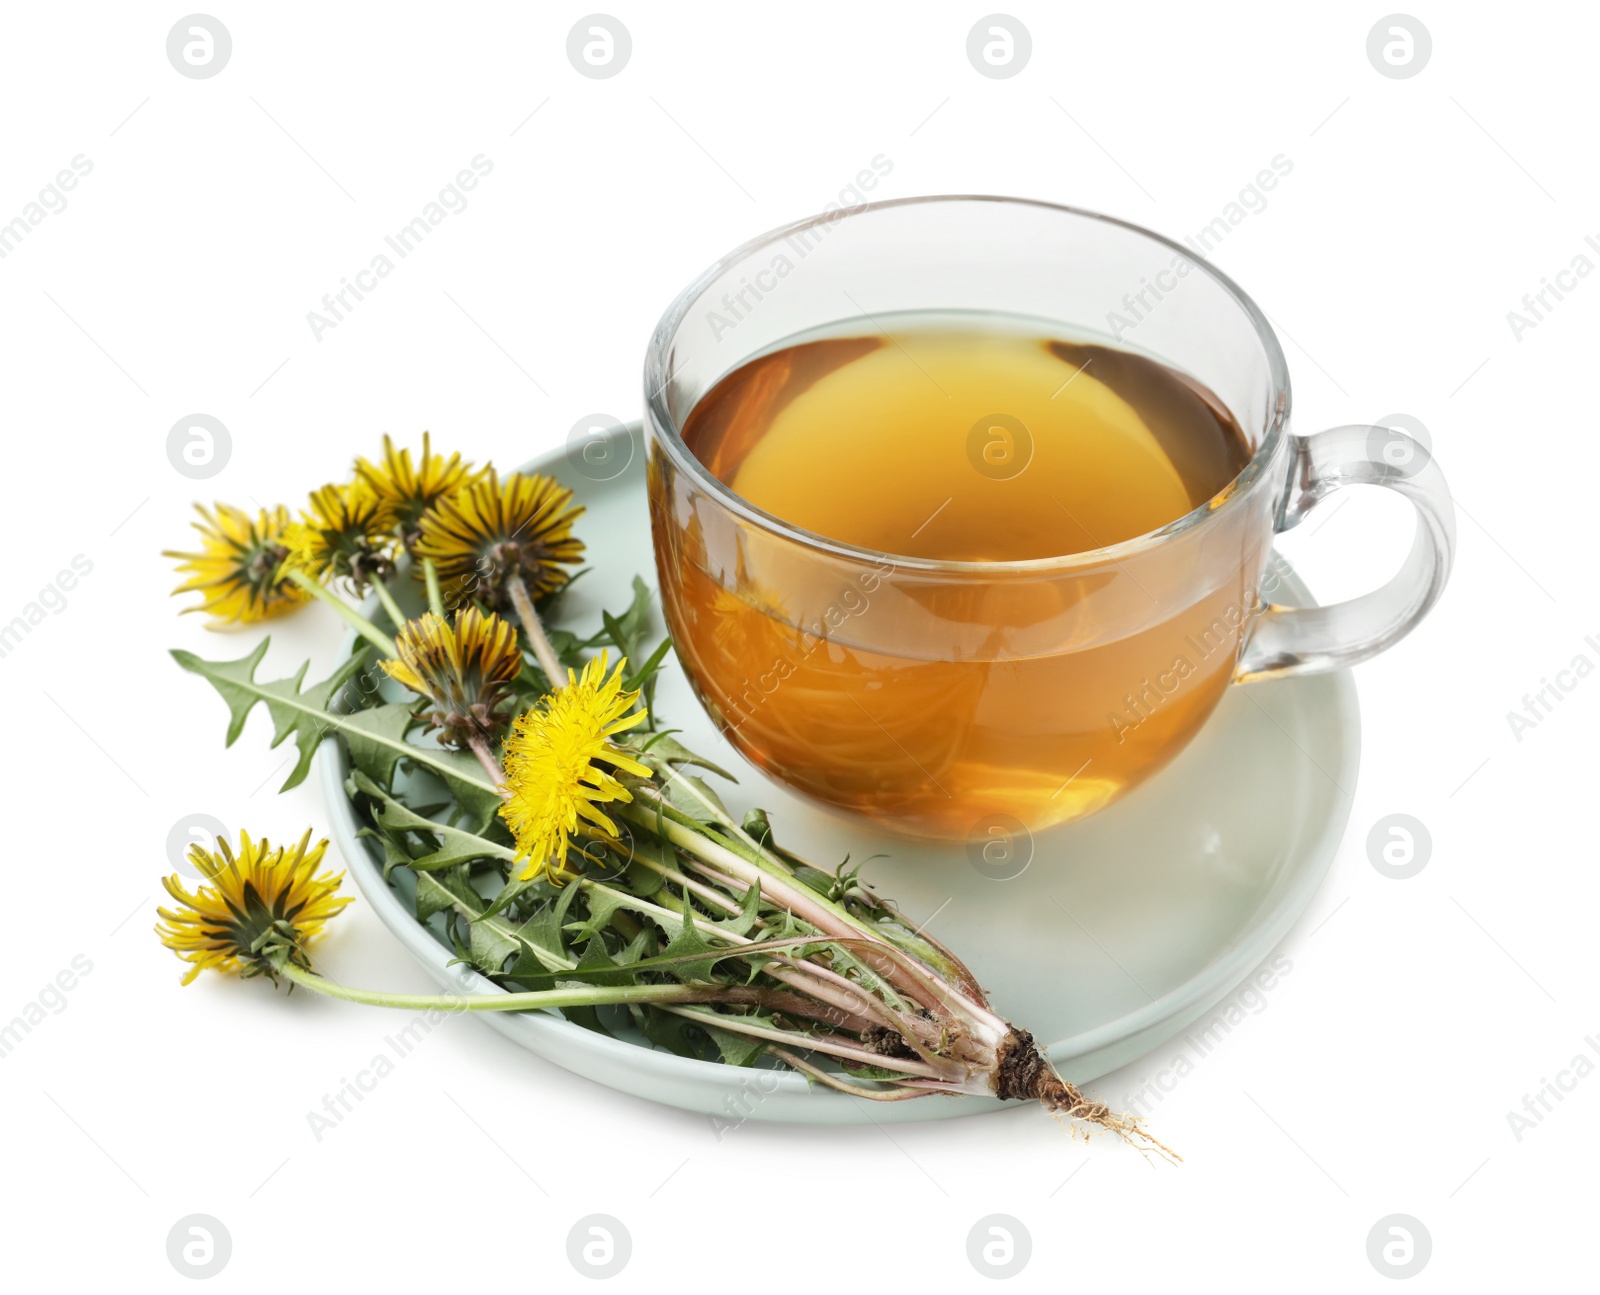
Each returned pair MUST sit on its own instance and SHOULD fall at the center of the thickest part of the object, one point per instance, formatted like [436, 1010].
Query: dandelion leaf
[437, 891]
[450, 845]
[376, 737]
[689, 944]
[736, 1049]
[657, 749]
[491, 946]
[749, 910]
[301, 712]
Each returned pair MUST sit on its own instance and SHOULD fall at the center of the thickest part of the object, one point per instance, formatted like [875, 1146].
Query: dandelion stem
[578, 996]
[392, 608]
[491, 766]
[803, 903]
[831, 1044]
[911, 974]
[799, 972]
[899, 1093]
[533, 627]
[355, 619]
[430, 576]
[602, 995]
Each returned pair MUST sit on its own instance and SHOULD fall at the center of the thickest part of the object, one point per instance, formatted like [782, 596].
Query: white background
[178, 279]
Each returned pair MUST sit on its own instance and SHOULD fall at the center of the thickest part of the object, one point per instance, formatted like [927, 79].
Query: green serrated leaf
[588, 1017]
[492, 939]
[659, 750]
[873, 1072]
[736, 1049]
[687, 943]
[667, 1031]
[491, 947]
[437, 891]
[603, 902]
[542, 946]
[509, 893]
[302, 714]
[454, 846]
[627, 630]
[641, 881]
[598, 968]
[478, 798]
[686, 966]
[646, 672]
[636, 948]
[747, 916]
[376, 739]
[758, 826]
[692, 796]
[306, 716]
[814, 879]
[395, 855]
[476, 801]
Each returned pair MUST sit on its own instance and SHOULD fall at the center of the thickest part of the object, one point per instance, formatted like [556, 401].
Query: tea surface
[969, 443]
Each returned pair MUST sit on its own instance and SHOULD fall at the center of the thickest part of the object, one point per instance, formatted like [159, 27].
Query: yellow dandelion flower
[466, 670]
[237, 570]
[494, 533]
[346, 534]
[408, 489]
[556, 774]
[262, 903]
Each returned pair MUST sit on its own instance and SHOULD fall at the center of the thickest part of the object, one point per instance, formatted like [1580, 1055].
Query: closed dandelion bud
[466, 670]
[409, 489]
[495, 535]
[261, 908]
[346, 535]
[238, 570]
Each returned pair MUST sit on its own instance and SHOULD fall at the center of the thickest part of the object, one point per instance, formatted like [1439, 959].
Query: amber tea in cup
[895, 442]
[939, 548]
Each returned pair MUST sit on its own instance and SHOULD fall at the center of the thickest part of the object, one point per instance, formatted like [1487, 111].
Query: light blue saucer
[1124, 929]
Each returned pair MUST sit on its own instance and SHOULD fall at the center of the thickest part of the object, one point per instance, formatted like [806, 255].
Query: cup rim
[659, 418]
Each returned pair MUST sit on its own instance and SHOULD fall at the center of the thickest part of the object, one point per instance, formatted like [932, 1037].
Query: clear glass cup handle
[1308, 640]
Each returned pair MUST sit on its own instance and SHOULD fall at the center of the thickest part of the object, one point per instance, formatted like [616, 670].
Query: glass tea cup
[933, 696]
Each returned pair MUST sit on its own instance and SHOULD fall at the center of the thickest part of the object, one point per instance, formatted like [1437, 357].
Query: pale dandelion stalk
[533, 627]
[362, 626]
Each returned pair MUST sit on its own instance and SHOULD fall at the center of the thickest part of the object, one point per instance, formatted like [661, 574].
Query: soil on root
[1024, 1074]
